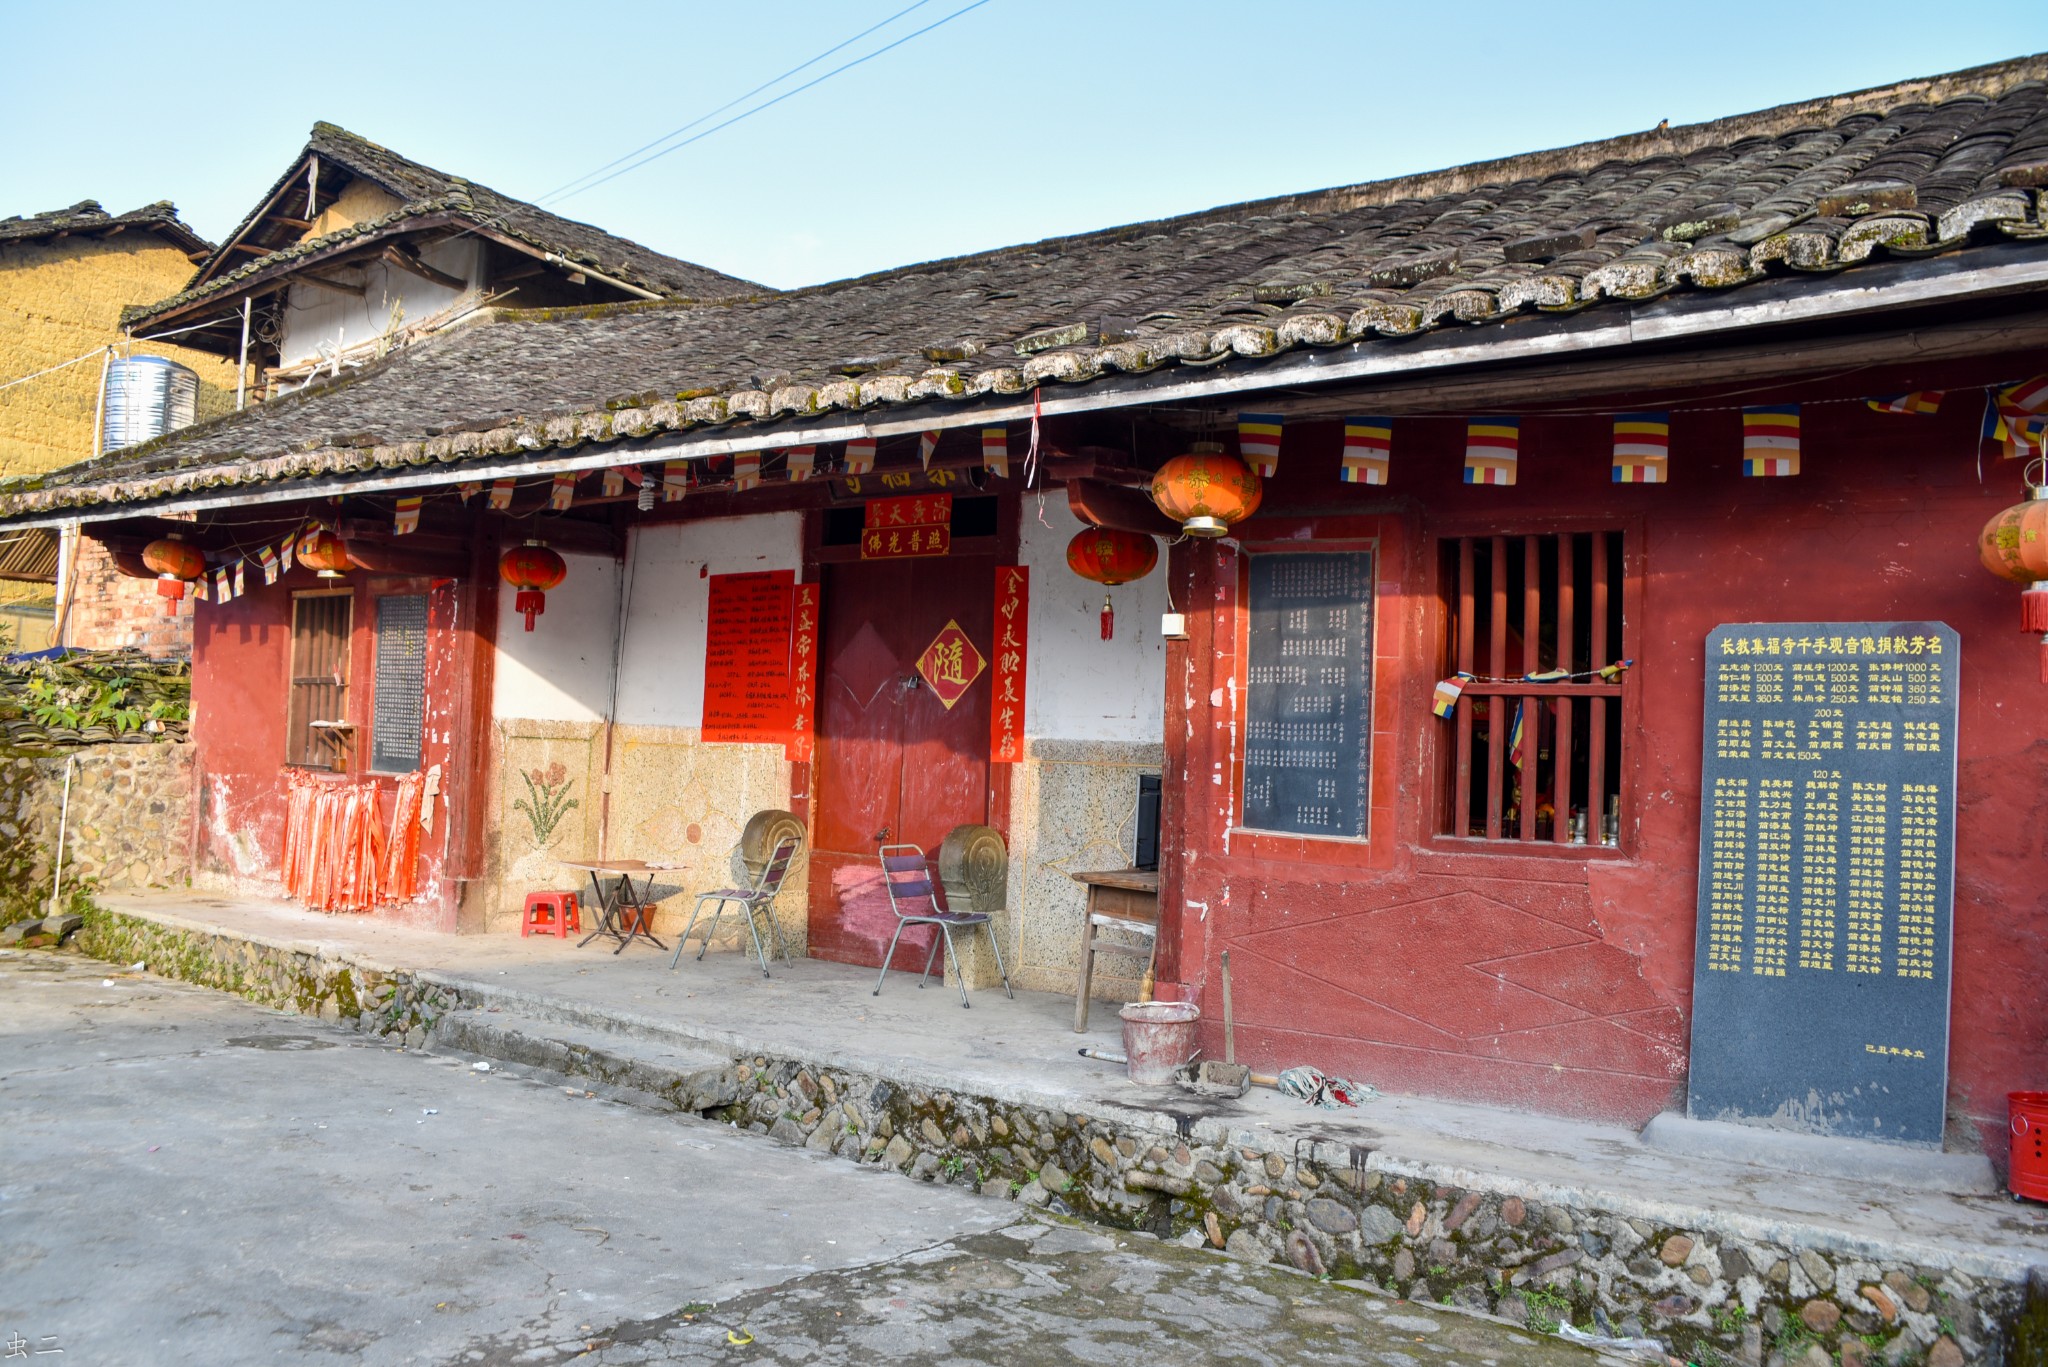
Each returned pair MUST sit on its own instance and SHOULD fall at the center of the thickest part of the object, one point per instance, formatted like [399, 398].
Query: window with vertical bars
[1534, 750]
[319, 688]
[398, 703]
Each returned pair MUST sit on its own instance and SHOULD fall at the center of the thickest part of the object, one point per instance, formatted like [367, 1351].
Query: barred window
[316, 716]
[1536, 739]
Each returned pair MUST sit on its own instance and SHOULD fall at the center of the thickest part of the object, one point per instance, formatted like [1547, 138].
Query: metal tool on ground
[1228, 1078]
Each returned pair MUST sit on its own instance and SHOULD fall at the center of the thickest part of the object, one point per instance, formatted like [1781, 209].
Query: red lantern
[2014, 546]
[533, 569]
[1111, 557]
[325, 551]
[1206, 490]
[176, 564]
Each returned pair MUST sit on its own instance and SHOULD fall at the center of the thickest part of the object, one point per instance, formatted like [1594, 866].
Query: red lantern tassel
[1108, 619]
[532, 602]
[2034, 609]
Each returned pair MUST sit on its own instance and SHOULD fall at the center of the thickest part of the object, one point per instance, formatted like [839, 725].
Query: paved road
[191, 1179]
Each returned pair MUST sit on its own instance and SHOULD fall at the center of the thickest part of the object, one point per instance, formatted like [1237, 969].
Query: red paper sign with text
[747, 659]
[803, 675]
[921, 510]
[899, 543]
[897, 528]
[1006, 703]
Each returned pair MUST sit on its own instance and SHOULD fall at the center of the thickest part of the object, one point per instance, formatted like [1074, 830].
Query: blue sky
[1019, 120]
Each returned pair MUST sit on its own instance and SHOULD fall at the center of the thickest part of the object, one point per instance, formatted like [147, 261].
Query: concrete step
[688, 1076]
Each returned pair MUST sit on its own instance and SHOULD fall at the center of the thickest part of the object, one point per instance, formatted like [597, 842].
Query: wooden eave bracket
[407, 260]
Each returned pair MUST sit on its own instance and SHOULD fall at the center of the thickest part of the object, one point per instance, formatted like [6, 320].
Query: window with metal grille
[1534, 750]
[398, 704]
[316, 718]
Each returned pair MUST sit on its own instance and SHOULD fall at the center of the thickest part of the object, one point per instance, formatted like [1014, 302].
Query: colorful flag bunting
[223, 591]
[468, 489]
[1447, 692]
[1258, 441]
[1368, 450]
[614, 482]
[860, 455]
[1919, 401]
[239, 589]
[2023, 408]
[408, 516]
[199, 590]
[501, 494]
[802, 460]
[1770, 440]
[564, 492]
[746, 470]
[267, 558]
[675, 481]
[1515, 738]
[1642, 448]
[926, 444]
[1996, 430]
[285, 553]
[995, 451]
[1492, 449]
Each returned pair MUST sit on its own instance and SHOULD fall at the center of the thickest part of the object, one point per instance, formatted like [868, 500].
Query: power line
[570, 187]
[769, 104]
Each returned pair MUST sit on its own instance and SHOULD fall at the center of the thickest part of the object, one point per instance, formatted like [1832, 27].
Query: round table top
[618, 865]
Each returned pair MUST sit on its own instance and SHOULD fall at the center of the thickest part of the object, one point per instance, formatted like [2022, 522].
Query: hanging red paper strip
[1013, 625]
[921, 510]
[747, 659]
[803, 675]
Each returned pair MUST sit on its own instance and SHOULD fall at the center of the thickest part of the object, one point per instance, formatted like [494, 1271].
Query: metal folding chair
[757, 900]
[908, 877]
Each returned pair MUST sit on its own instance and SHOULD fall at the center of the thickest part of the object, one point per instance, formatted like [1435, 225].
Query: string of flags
[1444, 701]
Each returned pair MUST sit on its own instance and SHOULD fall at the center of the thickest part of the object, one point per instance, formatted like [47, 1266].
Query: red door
[894, 763]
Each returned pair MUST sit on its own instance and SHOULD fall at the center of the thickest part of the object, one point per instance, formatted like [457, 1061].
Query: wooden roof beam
[409, 262]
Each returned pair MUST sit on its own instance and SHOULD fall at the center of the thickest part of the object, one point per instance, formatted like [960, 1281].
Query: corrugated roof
[1954, 164]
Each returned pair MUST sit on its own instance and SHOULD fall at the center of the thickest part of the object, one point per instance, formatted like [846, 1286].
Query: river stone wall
[1713, 1298]
[129, 825]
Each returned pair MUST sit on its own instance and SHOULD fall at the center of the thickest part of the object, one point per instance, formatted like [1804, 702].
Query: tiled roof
[1954, 164]
[87, 218]
[424, 192]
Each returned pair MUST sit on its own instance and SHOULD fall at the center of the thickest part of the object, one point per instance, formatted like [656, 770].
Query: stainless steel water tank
[148, 396]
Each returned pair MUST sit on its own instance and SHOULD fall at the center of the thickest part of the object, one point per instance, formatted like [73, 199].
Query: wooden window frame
[1452, 759]
[297, 729]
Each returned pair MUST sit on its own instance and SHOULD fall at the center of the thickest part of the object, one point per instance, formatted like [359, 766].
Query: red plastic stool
[551, 913]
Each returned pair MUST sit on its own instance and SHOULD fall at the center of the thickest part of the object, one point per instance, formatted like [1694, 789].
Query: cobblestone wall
[129, 826]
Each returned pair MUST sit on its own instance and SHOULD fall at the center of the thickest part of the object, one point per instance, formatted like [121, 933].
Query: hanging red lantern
[533, 569]
[324, 551]
[2014, 546]
[176, 564]
[1111, 557]
[1206, 490]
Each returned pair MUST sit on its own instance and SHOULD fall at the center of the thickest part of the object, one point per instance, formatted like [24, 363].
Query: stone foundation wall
[129, 826]
[1718, 1291]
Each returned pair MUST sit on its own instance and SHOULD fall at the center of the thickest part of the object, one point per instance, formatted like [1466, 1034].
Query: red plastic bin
[2029, 1126]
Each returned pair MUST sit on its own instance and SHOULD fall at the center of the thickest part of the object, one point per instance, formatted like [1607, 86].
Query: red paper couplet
[1012, 637]
[803, 676]
[747, 659]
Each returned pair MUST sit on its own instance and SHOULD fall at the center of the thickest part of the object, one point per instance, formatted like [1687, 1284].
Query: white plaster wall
[661, 675]
[314, 316]
[1079, 686]
[562, 670]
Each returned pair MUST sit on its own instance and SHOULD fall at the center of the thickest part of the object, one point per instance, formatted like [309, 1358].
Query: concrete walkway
[1023, 1052]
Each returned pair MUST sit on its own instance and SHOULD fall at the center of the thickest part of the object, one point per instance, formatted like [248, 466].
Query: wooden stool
[1118, 899]
[550, 913]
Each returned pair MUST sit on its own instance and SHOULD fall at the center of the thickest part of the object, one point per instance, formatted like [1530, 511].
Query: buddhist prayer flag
[746, 470]
[2023, 408]
[1493, 447]
[1368, 449]
[614, 482]
[1770, 440]
[926, 444]
[267, 558]
[468, 489]
[1258, 441]
[408, 515]
[995, 451]
[199, 590]
[1448, 691]
[1515, 738]
[860, 455]
[1996, 430]
[564, 492]
[284, 553]
[239, 588]
[501, 494]
[675, 481]
[1919, 401]
[1642, 448]
[802, 460]
[223, 590]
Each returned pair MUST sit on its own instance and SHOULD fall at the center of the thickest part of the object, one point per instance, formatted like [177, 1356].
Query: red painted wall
[241, 663]
[1561, 980]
